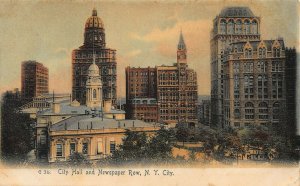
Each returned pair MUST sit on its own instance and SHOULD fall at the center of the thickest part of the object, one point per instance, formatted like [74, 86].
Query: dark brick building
[34, 79]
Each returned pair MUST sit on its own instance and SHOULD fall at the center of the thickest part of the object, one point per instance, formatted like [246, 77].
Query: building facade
[171, 91]
[93, 129]
[204, 112]
[231, 25]
[254, 83]
[94, 44]
[34, 79]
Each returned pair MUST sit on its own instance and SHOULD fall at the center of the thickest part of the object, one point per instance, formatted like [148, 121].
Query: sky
[144, 33]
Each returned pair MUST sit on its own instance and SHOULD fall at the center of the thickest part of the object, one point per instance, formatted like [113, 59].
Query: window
[277, 85]
[236, 86]
[247, 27]
[112, 146]
[248, 86]
[59, 150]
[262, 86]
[238, 28]
[254, 27]
[43, 140]
[72, 148]
[276, 52]
[230, 27]
[261, 66]
[248, 67]
[248, 53]
[276, 111]
[263, 110]
[236, 67]
[223, 26]
[262, 52]
[276, 66]
[249, 110]
[84, 148]
[94, 94]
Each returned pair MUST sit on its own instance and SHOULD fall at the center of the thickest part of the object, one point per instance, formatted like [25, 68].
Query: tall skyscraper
[231, 25]
[254, 84]
[168, 93]
[34, 79]
[94, 43]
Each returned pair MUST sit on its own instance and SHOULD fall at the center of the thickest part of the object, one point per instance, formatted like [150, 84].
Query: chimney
[107, 105]
[55, 107]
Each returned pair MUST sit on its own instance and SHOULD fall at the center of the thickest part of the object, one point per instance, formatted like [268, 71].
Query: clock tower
[181, 50]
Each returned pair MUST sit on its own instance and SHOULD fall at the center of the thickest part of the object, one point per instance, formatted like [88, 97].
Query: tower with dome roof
[94, 50]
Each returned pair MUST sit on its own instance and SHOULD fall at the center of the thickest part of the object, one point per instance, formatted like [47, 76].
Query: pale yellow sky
[143, 33]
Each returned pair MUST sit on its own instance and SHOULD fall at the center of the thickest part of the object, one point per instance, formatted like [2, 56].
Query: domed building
[105, 59]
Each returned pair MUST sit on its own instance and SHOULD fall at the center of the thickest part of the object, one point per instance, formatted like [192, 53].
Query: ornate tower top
[181, 44]
[94, 35]
[181, 50]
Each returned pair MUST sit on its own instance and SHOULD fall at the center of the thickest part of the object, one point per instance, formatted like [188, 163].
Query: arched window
[276, 110]
[263, 110]
[247, 26]
[238, 27]
[254, 27]
[230, 29]
[249, 110]
[94, 94]
[223, 26]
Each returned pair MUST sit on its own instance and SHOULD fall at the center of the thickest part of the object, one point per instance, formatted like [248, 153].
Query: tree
[78, 159]
[182, 133]
[209, 139]
[17, 129]
[160, 145]
[137, 147]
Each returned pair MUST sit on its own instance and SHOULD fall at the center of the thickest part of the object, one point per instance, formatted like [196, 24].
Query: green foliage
[17, 130]
[78, 159]
[137, 147]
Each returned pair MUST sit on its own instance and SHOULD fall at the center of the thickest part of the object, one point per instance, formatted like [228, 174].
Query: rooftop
[236, 12]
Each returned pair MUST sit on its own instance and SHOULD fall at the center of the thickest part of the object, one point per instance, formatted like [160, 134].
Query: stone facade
[231, 25]
[254, 83]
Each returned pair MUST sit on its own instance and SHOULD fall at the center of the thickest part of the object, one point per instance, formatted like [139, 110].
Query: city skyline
[45, 32]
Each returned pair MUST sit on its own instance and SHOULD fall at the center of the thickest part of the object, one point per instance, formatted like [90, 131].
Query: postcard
[149, 92]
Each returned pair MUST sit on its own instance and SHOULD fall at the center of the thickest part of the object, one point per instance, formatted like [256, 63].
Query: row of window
[85, 148]
[261, 66]
[238, 27]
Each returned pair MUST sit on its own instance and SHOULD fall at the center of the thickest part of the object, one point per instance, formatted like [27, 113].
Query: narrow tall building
[254, 84]
[165, 93]
[34, 79]
[231, 25]
[105, 59]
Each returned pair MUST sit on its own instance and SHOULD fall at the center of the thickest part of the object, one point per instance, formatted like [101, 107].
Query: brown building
[94, 43]
[231, 25]
[169, 90]
[34, 79]
[254, 83]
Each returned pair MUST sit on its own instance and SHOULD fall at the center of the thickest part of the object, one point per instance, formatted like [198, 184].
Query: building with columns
[105, 59]
[165, 94]
[93, 129]
[231, 25]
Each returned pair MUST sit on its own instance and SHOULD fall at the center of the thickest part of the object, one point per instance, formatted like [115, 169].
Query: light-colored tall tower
[231, 25]
[93, 86]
